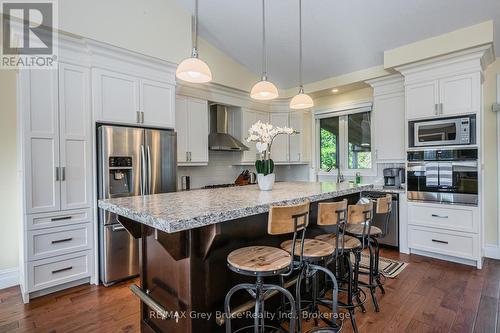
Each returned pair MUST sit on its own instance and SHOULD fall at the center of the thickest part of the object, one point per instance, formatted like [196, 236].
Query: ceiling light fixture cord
[264, 52]
[300, 45]
[195, 30]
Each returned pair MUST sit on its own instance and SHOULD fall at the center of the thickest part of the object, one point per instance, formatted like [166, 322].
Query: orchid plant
[263, 134]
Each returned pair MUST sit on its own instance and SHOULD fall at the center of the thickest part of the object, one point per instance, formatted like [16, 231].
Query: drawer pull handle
[62, 270]
[440, 216]
[61, 218]
[62, 240]
[439, 241]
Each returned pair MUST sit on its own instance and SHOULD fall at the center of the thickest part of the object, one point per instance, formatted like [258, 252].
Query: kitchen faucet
[340, 176]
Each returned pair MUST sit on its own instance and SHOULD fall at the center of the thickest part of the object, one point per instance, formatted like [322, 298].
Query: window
[345, 141]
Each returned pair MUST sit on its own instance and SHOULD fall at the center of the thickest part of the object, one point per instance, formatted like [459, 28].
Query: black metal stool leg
[288, 295]
[371, 283]
[377, 273]
[298, 300]
[227, 300]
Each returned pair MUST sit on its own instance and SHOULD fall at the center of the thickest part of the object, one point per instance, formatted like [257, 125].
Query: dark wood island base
[184, 276]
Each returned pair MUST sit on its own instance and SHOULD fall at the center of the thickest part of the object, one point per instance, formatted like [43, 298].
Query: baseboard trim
[9, 277]
[492, 251]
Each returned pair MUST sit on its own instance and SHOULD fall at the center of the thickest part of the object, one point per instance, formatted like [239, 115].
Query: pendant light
[193, 69]
[301, 100]
[264, 90]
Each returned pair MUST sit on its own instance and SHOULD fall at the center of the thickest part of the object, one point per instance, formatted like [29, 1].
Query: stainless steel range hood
[219, 138]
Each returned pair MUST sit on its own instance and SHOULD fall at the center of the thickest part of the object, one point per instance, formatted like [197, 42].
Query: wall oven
[443, 132]
[448, 176]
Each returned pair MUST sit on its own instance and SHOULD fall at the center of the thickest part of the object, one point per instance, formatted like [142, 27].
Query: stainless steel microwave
[443, 132]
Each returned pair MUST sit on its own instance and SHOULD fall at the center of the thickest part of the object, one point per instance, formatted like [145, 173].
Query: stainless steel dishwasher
[392, 237]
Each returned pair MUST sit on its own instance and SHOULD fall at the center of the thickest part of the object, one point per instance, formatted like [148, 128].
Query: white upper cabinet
[39, 97]
[58, 165]
[116, 97]
[422, 99]
[280, 150]
[388, 118]
[75, 137]
[157, 103]
[127, 99]
[300, 143]
[192, 131]
[448, 86]
[460, 94]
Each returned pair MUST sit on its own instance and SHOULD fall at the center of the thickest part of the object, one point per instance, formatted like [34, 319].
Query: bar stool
[383, 207]
[367, 234]
[336, 214]
[266, 261]
[308, 253]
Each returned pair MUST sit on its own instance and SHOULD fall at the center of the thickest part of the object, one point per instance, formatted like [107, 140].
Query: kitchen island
[185, 238]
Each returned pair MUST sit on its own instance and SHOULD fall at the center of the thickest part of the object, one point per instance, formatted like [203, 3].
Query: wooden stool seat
[349, 242]
[313, 248]
[357, 229]
[259, 259]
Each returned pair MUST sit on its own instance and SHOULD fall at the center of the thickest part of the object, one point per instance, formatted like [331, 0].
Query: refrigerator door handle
[149, 184]
[143, 171]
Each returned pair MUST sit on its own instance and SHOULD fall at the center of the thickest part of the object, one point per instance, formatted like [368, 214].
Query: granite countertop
[178, 211]
[381, 188]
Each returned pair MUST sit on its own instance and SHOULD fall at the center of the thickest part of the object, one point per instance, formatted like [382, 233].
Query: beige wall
[159, 28]
[9, 205]
[490, 146]
[359, 95]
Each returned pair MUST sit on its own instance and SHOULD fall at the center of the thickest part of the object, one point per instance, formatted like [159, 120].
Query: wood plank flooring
[428, 296]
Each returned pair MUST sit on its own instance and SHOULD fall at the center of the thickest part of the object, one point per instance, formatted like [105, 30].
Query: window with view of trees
[345, 141]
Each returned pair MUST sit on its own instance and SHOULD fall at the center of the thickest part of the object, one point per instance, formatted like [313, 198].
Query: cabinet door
[181, 126]
[158, 104]
[249, 118]
[41, 126]
[280, 150]
[422, 99]
[297, 140]
[460, 94]
[75, 128]
[115, 97]
[389, 126]
[198, 130]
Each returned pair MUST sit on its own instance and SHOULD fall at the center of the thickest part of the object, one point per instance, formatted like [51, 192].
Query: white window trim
[338, 111]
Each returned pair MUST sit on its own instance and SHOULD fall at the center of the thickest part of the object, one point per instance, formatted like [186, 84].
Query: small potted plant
[263, 134]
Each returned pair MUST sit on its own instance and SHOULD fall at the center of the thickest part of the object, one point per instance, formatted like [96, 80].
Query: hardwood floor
[428, 296]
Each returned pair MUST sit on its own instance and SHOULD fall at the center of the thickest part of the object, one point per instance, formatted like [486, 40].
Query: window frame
[343, 112]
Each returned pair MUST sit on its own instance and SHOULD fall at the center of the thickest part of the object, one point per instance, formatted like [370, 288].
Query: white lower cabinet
[50, 242]
[51, 272]
[445, 230]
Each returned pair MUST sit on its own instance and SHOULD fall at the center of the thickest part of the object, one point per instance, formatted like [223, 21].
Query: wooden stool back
[332, 213]
[360, 213]
[282, 218]
[384, 205]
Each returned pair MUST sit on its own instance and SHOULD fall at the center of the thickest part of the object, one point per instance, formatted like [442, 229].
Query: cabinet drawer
[58, 270]
[438, 241]
[452, 218]
[51, 242]
[56, 219]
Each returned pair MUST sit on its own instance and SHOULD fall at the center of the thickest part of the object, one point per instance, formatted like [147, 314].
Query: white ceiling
[339, 36]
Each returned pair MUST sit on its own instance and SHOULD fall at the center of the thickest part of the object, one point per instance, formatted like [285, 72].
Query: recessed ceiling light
[335, 90]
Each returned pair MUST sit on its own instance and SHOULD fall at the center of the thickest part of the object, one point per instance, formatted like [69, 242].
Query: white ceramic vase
[265, 182]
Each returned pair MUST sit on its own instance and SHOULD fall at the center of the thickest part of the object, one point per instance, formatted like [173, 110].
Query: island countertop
[179, 211]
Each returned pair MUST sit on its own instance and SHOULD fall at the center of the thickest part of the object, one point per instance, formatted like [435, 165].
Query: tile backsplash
[220, 170]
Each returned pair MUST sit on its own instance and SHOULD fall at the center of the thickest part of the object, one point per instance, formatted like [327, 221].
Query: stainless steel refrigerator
[131, 161]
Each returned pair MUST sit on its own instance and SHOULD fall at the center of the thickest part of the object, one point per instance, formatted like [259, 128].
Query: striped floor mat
[388, 267]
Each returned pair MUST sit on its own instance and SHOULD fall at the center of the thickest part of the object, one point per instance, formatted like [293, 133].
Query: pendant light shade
[301, 100]
[264, 89]
[193, 69]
